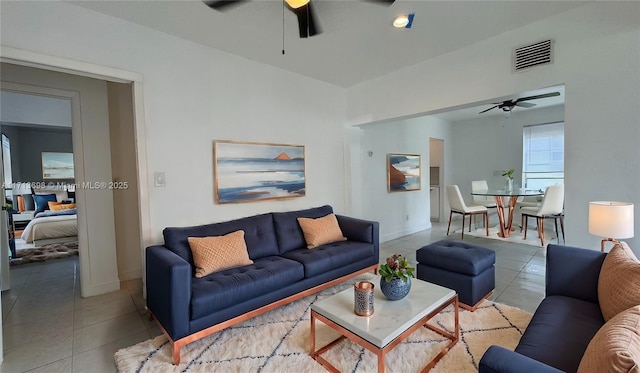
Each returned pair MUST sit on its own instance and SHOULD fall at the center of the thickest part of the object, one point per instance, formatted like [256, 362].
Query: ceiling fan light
[295, 4]
[401, 21]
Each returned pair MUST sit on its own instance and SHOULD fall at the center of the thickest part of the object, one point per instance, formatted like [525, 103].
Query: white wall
[194, 95]
[399, 213]
[597, 54]
[126, 213]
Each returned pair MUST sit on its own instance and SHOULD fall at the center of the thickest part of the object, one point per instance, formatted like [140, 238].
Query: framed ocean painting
[403, 172]
[251, 171]
[57, 165]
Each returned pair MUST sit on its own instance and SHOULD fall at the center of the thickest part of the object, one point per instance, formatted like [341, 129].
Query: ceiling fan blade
[552, 94]
[382, 2]
[525, 104]
[314, 25]
[222, 5]
[484, 111]
[307, 21]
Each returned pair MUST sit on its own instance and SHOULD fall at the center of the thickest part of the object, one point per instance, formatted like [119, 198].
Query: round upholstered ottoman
[467, 269]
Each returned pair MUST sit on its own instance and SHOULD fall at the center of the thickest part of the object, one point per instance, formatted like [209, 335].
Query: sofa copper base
[177, 344]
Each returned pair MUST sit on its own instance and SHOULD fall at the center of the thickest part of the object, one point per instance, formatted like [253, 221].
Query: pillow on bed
[42, 201]
[62, 206]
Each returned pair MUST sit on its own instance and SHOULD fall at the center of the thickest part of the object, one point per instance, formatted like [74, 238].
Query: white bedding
[51, 227]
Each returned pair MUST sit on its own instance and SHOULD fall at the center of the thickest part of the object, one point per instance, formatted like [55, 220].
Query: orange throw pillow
[619, 281]
[321, 231]
[215, 253]
[53, 204]
[60, 206]
[616, 346]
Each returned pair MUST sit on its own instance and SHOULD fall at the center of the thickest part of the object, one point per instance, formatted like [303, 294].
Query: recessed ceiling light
[403, 21]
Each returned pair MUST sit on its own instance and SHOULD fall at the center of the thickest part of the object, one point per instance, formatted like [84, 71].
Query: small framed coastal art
[403, 172]
[252, 171]
[57, 165]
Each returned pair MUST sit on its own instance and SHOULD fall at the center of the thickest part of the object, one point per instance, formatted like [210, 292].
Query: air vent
[532, 55]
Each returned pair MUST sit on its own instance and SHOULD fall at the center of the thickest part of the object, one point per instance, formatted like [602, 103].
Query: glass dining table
[500, 196]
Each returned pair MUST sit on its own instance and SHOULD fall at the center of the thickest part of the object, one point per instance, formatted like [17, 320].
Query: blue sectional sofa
[283, 270]
[563, 324]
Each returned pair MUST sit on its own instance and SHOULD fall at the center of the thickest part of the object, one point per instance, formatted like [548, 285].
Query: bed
[56, 228]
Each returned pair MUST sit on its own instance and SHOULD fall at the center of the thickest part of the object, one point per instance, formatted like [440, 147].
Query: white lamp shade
[611, 219]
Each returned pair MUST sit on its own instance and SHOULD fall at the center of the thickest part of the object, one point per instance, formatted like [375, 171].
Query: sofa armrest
[168, 290]
[500, 360]
[573, 272]
[360, 230]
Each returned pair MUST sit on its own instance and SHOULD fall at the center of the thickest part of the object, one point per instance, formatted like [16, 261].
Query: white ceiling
[358, 42]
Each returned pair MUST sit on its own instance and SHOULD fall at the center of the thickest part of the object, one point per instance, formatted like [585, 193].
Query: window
[543, 158]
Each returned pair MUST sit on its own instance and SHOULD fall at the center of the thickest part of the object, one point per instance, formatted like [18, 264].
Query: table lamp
[613, 220]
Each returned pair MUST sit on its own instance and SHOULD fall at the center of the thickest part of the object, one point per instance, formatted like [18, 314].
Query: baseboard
[130, 275]
[105, 287]
[404, 232]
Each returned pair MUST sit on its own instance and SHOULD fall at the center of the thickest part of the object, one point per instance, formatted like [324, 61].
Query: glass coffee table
[390, 324]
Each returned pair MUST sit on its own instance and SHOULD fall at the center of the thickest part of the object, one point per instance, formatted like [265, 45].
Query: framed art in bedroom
[57, 166]
[403, 172]
[252, 171]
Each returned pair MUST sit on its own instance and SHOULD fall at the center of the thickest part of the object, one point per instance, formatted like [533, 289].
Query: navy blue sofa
[189, 308]
[565, 321]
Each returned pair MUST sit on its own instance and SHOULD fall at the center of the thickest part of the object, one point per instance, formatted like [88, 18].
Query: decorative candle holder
[363, 298]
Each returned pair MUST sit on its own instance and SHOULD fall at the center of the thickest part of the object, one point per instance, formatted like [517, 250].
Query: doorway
[96, 186]
[37, 158]
[436, 178]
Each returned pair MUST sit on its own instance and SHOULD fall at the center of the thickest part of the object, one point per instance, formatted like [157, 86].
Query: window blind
[543, 158]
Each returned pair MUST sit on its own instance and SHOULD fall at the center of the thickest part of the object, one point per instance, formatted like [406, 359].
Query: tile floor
[49, 328]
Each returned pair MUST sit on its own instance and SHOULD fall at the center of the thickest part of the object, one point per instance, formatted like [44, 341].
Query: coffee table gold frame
[381, 352]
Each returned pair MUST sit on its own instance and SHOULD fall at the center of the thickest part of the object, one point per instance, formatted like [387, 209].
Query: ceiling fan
[510, 104]
[307, 20]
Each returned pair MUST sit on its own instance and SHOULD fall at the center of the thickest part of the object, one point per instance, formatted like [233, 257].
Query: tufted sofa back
[288, 231]
[265, 235]
[258, 234]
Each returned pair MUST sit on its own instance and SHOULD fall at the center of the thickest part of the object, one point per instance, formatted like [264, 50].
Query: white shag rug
[278, 341]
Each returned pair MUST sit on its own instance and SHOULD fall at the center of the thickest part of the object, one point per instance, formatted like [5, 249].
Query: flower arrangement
[397, 266]
[508, 174]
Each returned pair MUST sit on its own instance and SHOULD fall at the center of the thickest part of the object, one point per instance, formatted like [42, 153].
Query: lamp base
[613, 240]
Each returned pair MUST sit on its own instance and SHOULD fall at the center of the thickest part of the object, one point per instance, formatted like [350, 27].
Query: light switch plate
[159, 179]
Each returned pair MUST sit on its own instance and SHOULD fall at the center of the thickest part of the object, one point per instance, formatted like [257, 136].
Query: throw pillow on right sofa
[619, 281]
[616, 346]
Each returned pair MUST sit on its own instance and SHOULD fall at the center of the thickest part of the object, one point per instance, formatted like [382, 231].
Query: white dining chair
[457, 205]
[487, 201]
[525, 202]
[552, 207]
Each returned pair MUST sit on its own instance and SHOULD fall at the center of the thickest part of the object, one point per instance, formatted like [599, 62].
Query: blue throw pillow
[42, 201]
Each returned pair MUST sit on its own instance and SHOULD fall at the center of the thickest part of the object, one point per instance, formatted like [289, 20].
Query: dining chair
[487, 201]
[552, 207]
[457, 205]
[525, 202]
